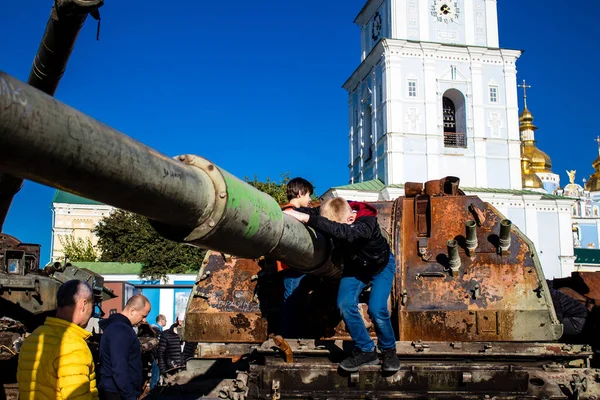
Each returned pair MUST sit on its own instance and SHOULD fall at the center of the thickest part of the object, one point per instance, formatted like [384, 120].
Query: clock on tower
[445, 11]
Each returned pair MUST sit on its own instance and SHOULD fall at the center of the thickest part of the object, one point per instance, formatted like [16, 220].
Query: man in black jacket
[120, 373]
[571, 313]
[172, 351]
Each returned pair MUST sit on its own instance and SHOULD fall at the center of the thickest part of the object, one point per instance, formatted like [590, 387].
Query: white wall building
[434, 96]
[74, 216]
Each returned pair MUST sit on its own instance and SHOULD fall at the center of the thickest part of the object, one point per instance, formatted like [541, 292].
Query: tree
[127, 237]
[277, 190]
[77, 250]
[272, 188]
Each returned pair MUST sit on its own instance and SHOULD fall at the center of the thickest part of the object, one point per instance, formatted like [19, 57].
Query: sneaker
[390, 360]
[359, 358]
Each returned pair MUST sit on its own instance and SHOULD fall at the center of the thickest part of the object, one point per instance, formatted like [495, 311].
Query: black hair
[299, 187]
[69, 292]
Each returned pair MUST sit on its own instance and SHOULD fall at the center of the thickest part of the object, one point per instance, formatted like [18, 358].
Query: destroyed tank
[472, 311]
[28, 296]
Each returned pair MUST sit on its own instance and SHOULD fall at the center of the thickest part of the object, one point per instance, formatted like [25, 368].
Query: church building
[435, 95]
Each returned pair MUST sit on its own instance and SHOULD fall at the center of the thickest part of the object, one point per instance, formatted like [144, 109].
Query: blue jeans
[381, 287]
[155, 374]
[292, 299]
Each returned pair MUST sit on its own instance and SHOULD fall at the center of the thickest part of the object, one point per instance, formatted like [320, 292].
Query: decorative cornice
[366, 66]
[367, 11]
[430, 52]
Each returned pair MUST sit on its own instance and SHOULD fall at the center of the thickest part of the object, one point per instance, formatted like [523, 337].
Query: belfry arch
[454, 112]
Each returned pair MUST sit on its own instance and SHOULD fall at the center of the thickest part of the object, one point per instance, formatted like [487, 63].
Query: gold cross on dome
[524, 86]
[597, 140]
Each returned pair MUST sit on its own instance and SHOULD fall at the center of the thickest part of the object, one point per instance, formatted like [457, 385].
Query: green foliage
[78, 249]
[127, 237]
[277, 190]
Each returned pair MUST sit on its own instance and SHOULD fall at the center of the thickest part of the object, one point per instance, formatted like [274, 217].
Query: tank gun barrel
[65, 22]
[188, 199]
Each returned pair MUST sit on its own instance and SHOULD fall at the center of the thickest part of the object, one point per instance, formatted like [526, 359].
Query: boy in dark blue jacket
[366, 259]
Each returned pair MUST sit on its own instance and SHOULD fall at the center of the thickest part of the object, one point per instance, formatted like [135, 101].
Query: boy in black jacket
[172, 351]
[366, 259]
[298, 191]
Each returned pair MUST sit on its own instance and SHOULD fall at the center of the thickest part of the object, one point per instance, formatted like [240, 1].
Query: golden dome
[529, 179]
[526, 120]
[540, 161]
[593, 184]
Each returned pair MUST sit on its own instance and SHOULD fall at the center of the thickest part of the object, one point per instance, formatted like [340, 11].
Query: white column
[350, 135]
[425, 19]
[468, 20]
[512, 127]
[394, 82]
[566, 237]
[53, 235]
[478, 130]
[399, 19]
[598, 229]
[363, 43]
[167, 304]
[433, 115]
[491, 13]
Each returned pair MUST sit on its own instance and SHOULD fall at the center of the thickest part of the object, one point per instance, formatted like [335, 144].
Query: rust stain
[485, 299]
[240, 321]
[228, 310]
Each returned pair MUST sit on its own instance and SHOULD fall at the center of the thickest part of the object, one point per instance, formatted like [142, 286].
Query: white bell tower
[434, 95]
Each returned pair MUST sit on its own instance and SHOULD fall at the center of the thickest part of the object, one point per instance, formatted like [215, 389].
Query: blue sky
[256, 86]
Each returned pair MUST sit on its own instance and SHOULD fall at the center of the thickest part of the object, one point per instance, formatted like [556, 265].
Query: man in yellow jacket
[55, 361]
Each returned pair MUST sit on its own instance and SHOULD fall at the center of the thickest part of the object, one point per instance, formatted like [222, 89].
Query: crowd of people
[56, 362]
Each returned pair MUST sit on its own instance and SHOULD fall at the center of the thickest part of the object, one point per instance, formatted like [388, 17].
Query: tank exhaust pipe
[504, 238]
[453, 257]
[471, 241]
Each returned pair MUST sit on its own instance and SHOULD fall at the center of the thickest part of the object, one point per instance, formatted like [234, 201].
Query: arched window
[576, 235]
[455, 119]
